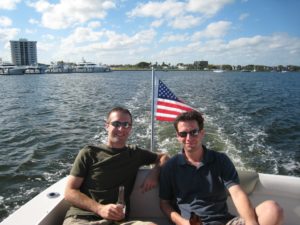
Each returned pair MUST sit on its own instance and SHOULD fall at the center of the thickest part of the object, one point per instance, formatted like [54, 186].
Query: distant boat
[11, 69]
[218, 71]
[90, 67]
[245, 70]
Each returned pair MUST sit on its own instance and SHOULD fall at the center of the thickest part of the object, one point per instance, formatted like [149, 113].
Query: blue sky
[236, 32]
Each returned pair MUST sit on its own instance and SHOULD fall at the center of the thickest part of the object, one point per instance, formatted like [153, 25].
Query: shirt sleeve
[165, 181]
[80, 165]
[228, 172]
[147, 157]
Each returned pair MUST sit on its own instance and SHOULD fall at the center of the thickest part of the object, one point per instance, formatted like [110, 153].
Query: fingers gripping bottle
[121, 198]
[195, 219]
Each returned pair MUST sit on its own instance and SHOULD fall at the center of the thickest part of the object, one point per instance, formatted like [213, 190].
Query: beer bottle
[195, 219]
[121, 198]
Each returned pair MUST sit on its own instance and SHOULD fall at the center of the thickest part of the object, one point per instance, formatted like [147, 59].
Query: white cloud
[174, 38]
[167, 8]
[243, 16]
[40, 6]
[207, 7]
[157, 23]
[30, 31]
[169, 11]
[179, 15]
[94, 24]
[85, 41]
[277, 48]
[48, 37]
[9, 4]
[81, 35]
[33, 21]
[213, 30]
[184, 22]
[7, 34]
[69, 13]
[5, 21]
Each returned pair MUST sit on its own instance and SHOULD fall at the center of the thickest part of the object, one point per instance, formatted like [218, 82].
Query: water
[46, 119]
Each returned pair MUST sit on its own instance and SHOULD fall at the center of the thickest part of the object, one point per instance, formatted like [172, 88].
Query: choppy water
[46, 119]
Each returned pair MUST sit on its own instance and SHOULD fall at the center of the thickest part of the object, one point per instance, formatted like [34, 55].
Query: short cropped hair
[121, 110]
[189, 116]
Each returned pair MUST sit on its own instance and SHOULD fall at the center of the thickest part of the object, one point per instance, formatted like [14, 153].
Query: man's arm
[151, 180]
[80, 200]
[243, 205]
[170, 212]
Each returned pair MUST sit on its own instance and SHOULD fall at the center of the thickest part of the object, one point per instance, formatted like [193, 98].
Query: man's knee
[272, 209]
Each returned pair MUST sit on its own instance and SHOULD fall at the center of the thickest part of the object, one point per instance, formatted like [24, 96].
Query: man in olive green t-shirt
[98, 171]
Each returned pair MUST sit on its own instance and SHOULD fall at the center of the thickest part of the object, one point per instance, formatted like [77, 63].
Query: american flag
[168, 106]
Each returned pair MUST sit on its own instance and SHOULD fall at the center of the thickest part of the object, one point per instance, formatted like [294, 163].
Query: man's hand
[111, 212]
[152, 179]
[150, 182]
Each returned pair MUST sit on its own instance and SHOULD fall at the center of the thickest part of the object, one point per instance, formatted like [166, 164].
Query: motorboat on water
[49, 207]
[218, 71]
[11, 69]
[90, 67]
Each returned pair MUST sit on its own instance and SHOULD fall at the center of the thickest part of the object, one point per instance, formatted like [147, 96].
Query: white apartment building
[23, 52]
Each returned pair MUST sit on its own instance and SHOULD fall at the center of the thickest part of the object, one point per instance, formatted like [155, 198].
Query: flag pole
[152, 110]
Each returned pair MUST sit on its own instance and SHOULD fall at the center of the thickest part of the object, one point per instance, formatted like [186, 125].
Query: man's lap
[81, 221]
[236, 221]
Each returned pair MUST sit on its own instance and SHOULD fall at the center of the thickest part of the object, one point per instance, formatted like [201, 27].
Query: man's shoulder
[94, 148]
[174, 160]
[213, 154]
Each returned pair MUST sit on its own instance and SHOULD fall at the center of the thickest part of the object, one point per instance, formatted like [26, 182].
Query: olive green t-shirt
[104, 169]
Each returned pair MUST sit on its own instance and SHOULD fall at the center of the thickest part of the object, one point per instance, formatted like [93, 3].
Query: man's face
[189, 135]
[118, 127]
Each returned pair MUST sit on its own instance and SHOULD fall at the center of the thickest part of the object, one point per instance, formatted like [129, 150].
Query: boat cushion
[248, 180]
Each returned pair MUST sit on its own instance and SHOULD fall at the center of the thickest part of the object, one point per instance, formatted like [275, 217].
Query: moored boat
[11, 69]
[49, 207]
[90, 67]
[218, 71]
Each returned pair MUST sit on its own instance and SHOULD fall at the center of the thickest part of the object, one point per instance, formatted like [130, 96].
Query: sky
[235, 32]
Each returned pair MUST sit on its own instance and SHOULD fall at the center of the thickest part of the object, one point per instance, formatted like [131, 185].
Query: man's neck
[115, 145]
[196, 156]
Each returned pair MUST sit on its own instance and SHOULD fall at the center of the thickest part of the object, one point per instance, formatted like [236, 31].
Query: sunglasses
[118, 124]
[192, 133]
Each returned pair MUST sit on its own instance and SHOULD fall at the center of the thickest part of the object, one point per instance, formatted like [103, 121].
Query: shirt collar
[207, 158]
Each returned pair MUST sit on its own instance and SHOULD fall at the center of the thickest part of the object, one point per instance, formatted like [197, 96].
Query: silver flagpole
[152, 110]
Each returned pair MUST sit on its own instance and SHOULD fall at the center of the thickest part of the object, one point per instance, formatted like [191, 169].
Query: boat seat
[248, 180]
[145, 206]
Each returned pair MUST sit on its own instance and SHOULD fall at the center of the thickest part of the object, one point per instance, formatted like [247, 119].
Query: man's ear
[202, 132]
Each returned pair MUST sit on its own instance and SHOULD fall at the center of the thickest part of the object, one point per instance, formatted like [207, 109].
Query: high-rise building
[23, 52]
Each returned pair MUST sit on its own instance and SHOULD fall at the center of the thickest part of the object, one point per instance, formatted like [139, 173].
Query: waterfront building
[23, 52]
[201, 64]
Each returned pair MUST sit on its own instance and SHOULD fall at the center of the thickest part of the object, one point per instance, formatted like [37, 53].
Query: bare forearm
[172, 214]
[80, 200]
[154, 172]
[161, 160]
[244, 207]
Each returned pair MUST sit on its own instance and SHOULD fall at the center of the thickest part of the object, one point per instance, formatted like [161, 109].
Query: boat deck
[49, 207]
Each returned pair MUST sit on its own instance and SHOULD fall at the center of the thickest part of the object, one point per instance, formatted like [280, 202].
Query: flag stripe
[168, 106]
[162, 118]
[173, 115]
[176, 105]
[171, 112]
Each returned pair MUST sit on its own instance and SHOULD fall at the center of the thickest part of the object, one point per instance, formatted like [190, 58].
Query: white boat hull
[49, 207]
